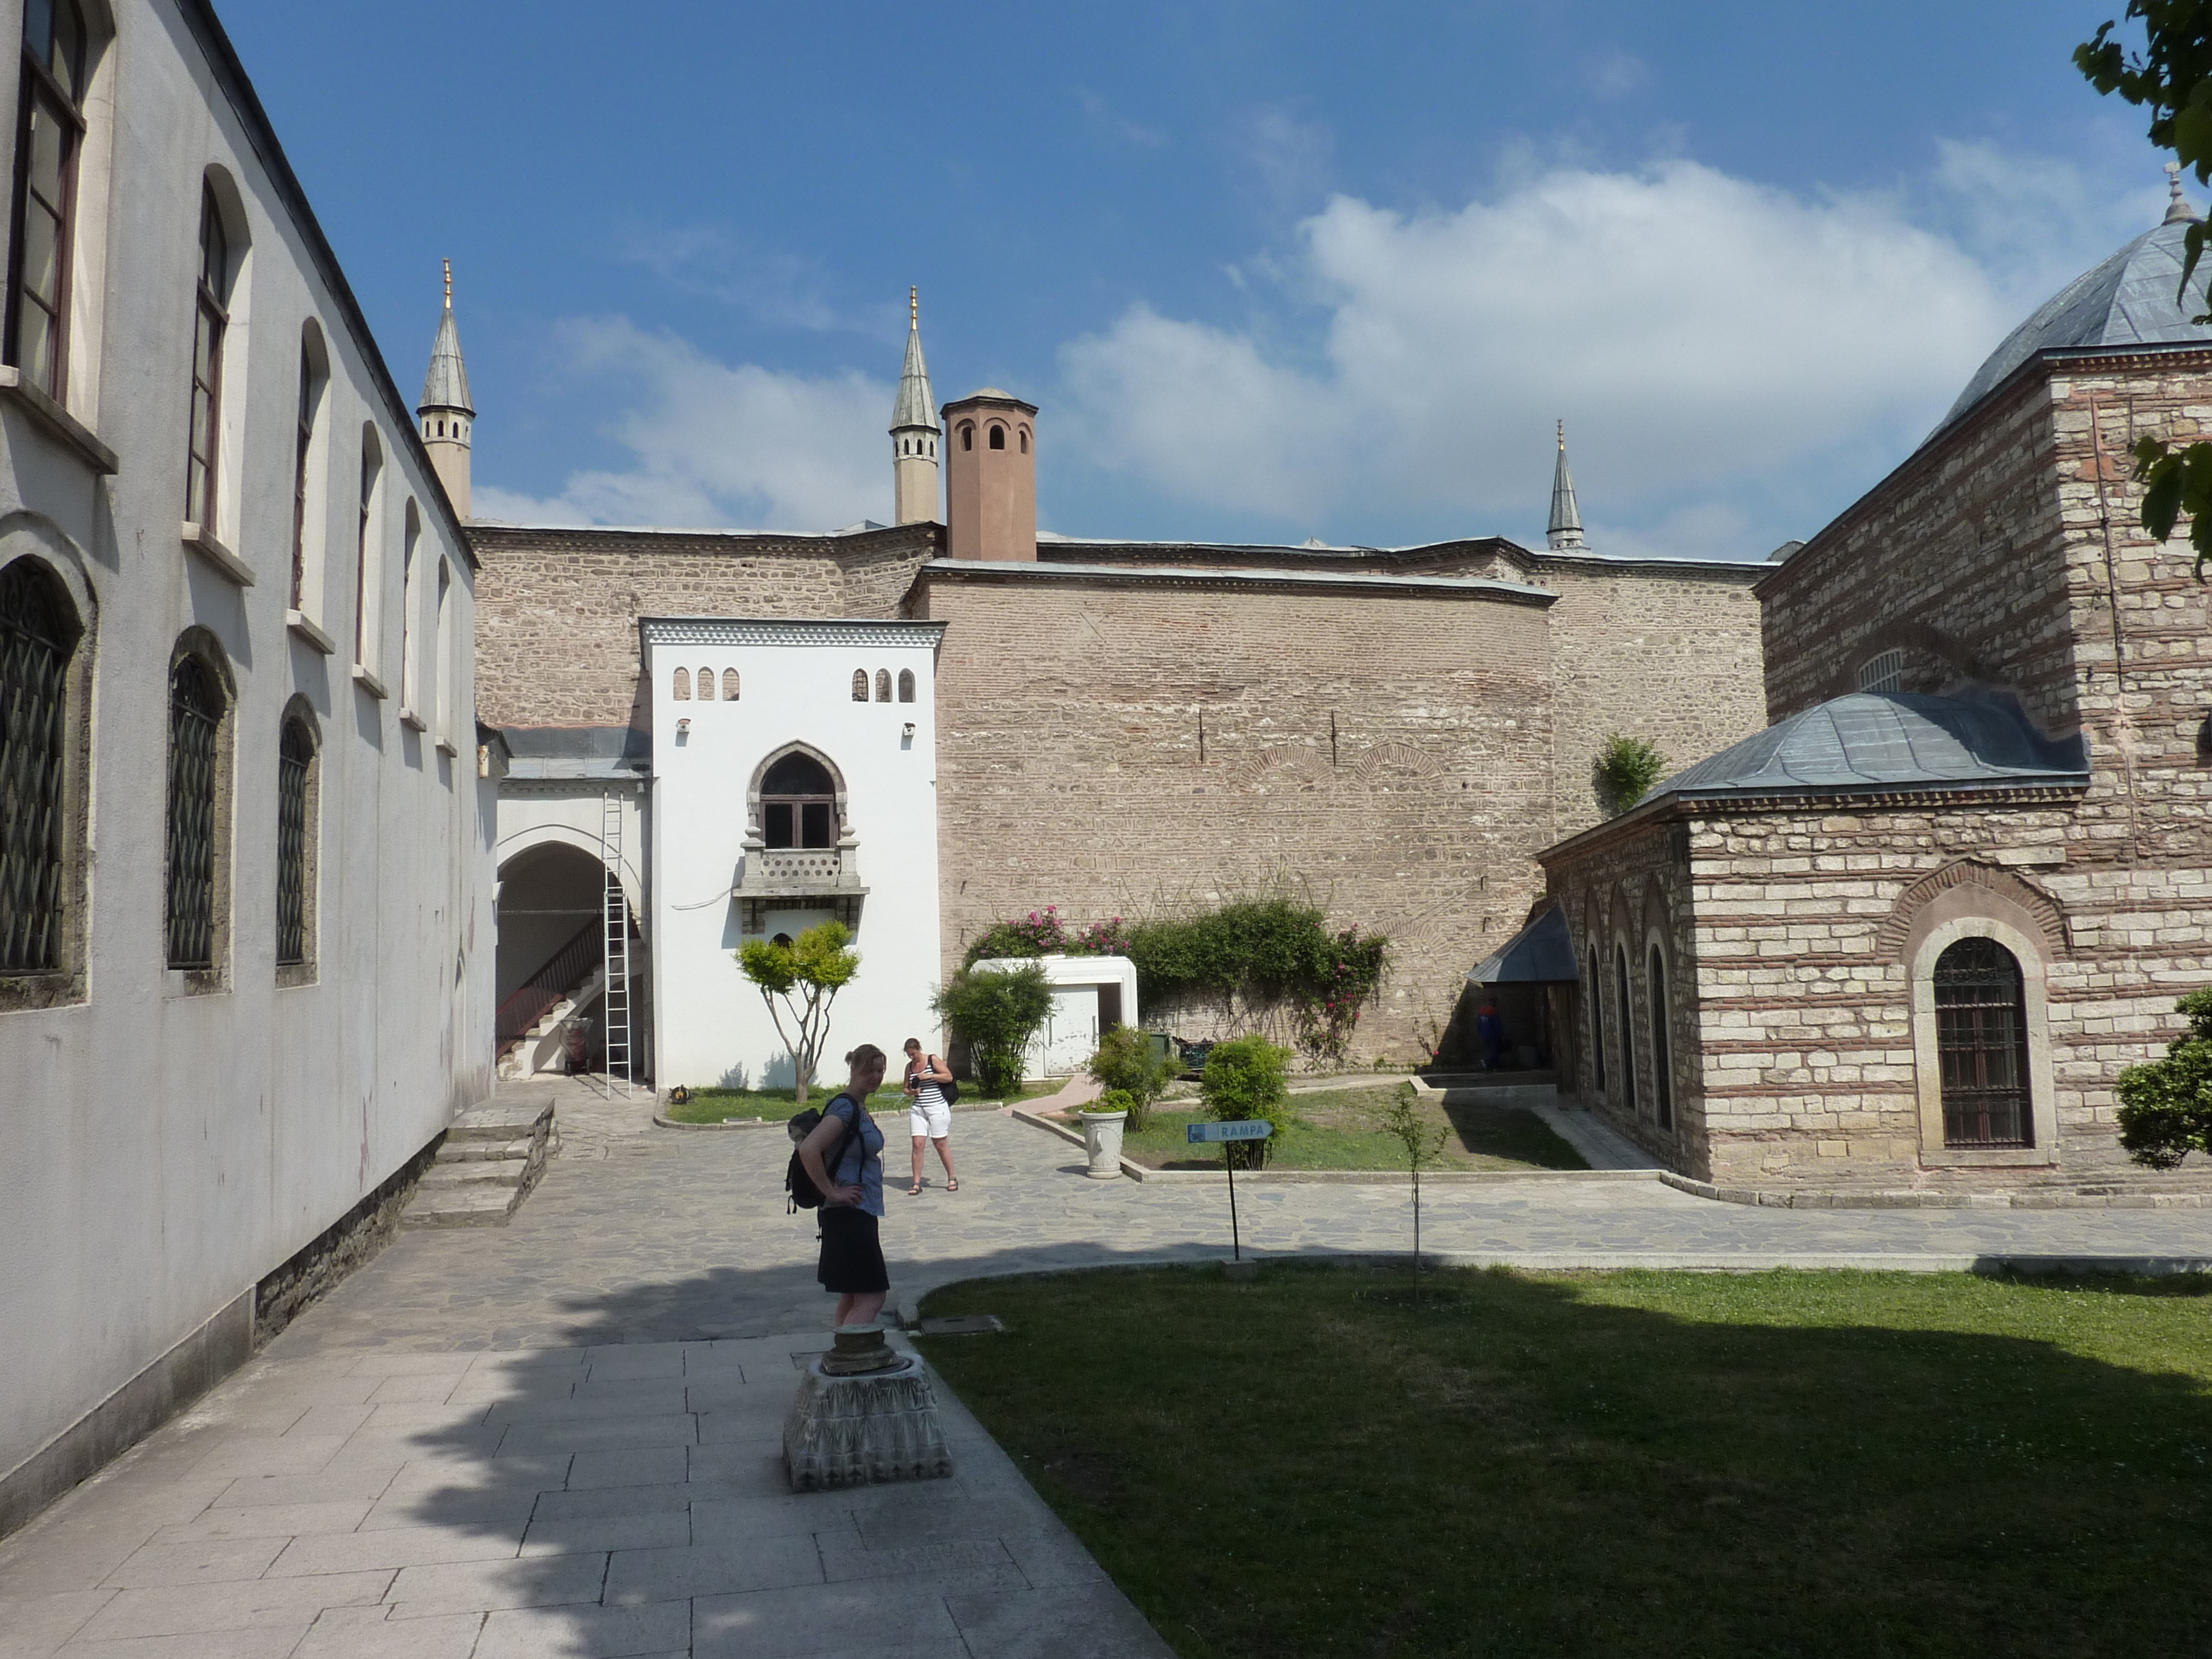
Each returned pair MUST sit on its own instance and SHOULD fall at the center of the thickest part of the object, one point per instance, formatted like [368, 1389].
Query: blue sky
[1271, 270]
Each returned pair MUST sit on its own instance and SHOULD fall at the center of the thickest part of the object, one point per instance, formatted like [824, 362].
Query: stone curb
[1764, 1198]
[661, 1122]
[1136, 1171]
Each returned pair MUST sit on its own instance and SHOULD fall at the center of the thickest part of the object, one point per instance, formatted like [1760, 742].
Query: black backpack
[949, 1088]
[804, 1194]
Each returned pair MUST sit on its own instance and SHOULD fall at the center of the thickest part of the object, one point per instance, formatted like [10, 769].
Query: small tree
[1125, 1062]
[1423, 1142]
[800, 981]
[1244, 1078]
[997, 1011]
[1624, 772]
[2166, 1105]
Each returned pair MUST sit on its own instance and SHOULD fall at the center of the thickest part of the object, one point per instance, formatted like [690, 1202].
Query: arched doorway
[552, 941]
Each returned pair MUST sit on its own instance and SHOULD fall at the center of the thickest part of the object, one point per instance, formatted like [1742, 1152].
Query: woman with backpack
[843, 1157]
[929, 1093]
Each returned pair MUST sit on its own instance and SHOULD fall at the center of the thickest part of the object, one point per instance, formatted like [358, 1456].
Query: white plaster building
[246, 933]
[793, 779]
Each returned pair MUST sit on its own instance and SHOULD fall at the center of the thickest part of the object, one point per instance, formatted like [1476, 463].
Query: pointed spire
[917, 406]
[447, 385]
[2177, 211]
[1567, 529]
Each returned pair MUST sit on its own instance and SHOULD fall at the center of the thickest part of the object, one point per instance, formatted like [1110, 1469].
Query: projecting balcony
[773, 879]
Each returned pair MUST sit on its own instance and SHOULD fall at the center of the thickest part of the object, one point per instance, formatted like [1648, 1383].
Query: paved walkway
[560, 1437]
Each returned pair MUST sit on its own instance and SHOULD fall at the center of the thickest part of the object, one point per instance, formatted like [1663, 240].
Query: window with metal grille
[211, 317]
[1882, 672]
[882, 685]
[1663, 1082]
[1594, 992]
[729, 685]
[1627, 1026]
[295, 756]
[1981, 1046]
[196, 707]
[50, 130]
[38, 636]
[906, 685]
[860, 685]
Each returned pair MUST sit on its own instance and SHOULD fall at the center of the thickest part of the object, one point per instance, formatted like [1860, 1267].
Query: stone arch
[1394, 755]
[537, 835]
[798, 747]
[1979, 887]
[42, 580]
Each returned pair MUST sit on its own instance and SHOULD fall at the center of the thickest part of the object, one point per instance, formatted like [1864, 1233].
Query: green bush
[1624, 772]
[1125, 1064]
[1115, 1100]
[997, 1012]
[1256, 955]
[1244, 1078]
[2166, 1105]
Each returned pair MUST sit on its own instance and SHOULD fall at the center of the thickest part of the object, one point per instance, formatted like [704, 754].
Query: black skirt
[852, 1259]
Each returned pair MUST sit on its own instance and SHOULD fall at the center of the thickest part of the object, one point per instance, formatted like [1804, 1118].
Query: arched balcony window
[798, 804]
[1981, 1045]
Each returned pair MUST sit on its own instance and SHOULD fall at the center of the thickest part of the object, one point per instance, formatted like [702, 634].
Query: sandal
[914, 1191]
[951, 1184]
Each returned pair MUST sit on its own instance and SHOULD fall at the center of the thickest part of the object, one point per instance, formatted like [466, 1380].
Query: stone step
[477, 1172]
[460, 1206]
[504, 1119]
[470, 1151]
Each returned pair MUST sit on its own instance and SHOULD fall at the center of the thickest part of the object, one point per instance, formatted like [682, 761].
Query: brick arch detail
[1913, 637]
[2049, 916]
[1393, 754]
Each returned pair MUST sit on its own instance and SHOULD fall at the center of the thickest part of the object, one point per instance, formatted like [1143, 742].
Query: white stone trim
[731, 631]
[1928, 1071]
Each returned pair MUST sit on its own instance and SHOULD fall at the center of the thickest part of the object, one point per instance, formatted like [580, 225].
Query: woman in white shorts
[928, 1117]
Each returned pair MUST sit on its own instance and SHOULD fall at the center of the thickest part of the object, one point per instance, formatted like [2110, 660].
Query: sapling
[1422, 1143]
[803, 977]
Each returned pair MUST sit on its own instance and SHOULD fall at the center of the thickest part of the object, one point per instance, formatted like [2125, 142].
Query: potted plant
[1101, 1123]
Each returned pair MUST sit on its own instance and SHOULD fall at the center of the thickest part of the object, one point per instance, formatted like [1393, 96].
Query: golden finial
[913, 307]
[1563, 437]
[449, 284]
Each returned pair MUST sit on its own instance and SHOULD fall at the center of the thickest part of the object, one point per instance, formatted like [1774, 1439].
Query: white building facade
[794, 781]
[246, 924]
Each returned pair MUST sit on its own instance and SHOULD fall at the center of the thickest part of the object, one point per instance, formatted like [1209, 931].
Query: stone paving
[560, 1437]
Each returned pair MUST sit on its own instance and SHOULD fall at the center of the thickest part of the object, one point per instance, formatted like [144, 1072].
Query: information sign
[1199, 1134]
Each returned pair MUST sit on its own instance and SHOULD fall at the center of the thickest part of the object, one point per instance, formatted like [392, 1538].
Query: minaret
[914, 430]
[445, 410]
[2177, 211]
[1566, 531]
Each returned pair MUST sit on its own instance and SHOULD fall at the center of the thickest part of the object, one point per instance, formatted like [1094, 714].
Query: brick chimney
[990, 477]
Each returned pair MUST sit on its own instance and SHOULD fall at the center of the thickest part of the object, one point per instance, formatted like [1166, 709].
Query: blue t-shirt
[862, 1162]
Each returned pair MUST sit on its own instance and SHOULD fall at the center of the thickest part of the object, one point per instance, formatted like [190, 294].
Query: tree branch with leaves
[798, 981]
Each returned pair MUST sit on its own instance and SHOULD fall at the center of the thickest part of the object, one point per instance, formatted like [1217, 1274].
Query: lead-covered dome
[2129, 301]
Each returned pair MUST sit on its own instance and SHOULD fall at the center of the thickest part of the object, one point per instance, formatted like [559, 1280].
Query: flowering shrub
[1042, 933]
[1347, 970]
[1100, 939]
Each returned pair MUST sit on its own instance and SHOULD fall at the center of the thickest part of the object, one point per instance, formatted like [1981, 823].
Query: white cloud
[1702, 335]
[1617, 74]
[717, 445]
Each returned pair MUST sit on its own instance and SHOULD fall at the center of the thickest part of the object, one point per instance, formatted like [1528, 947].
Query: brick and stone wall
[1070, 773]
[557, 609]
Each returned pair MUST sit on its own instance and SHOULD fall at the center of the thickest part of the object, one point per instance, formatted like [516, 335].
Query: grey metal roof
[916, 406]
[2128, 300]
[579, 752]
[1542, 953]
[1566, 527]
[447, 385]
[1887, 740]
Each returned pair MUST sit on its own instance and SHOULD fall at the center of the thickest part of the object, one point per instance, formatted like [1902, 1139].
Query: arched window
[1025, 441]
[860, 685]
[211, 318]
[443, 664]
[197, 706]
[296, 839]
[1596, 988]
[997, 436]
[38, 638]
[1627, 1026]
[411, 602]
[798, 804]
[50, 131]
[729, 685]
[706, 685]
[906, 685]
[1981, 1045]
[682, 692]
[882, 685]
[1663, 1081]
[311, 400]
[367, 596]
[967, 435]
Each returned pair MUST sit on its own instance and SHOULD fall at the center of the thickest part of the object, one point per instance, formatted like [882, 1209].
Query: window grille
[882, 685]
[53, 131]
[1884, 672]
[906, 685]
[1981, 1046]
[211, 317]
[36, 644]
[1595, 989]
[729, 685]
[195, 726]
[1628, 1026]
[295, 753]
[1663, 1082]
[706, 685]
[860, 685]
[682, 692]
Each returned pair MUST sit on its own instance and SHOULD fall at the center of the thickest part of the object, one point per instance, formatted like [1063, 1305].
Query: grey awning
[1542, 953]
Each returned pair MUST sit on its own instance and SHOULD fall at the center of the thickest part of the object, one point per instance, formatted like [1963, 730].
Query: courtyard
[560, 1437]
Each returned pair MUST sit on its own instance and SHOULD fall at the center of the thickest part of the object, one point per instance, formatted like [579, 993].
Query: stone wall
[1390, 755]
[557, 609]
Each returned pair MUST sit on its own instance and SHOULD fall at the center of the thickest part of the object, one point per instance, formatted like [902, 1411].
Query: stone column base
[876, 1426]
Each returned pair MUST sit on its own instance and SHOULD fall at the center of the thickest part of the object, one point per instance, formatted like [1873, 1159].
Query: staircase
[532, 1021]
[544, 1047]
[492, 1156]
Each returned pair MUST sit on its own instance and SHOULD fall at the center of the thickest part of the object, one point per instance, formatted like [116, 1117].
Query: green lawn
[1333, 1129]
[1762, 1464]
[720, 1105]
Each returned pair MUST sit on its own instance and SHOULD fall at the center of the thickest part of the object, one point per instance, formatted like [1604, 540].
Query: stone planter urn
[1102, 1142]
